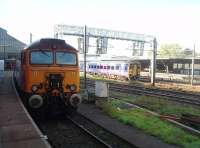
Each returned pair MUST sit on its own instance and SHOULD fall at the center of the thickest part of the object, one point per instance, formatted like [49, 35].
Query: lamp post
[192, 73]
[85, 48]
[85, 62]
[153, 62]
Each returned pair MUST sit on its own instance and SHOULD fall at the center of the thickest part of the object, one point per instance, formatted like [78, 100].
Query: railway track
[88, 132]
[180, 122]
[77, 131]
[182, 97]
[160, 79]
[100, 133]
[63, 133]
[173, 96]
[170, 95]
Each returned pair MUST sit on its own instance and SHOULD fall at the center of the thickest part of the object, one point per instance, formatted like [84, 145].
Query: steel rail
[171, 120]
[173, 96]
[88, 132]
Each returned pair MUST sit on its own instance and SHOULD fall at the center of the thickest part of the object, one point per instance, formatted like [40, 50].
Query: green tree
[170, 51]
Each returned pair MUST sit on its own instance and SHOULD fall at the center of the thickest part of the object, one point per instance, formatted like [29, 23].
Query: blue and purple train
[114, 69]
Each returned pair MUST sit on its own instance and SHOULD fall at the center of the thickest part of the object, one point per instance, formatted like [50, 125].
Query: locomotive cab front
[50, 74]
[134, 70]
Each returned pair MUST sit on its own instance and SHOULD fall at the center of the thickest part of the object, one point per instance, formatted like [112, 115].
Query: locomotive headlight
[34, 88]
[72, 87]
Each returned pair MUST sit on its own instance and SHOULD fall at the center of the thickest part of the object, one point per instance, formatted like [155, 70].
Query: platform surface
[17, 129]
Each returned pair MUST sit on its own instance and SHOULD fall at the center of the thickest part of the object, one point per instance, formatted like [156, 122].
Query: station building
[10, 48]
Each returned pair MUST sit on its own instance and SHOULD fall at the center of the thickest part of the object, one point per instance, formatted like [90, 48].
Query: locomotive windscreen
[66, 58]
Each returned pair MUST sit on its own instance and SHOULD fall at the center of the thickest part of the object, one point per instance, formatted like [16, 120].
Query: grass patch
[151, 125]
[166, 107]
[159, 105]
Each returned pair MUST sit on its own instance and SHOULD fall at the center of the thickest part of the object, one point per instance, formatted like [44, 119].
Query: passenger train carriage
[115, 69]
[48, 74]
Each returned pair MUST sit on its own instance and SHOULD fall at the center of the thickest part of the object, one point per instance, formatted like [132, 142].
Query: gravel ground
[105, 135]
[64, 134]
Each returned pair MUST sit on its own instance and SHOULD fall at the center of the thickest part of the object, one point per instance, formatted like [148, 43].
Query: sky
[170, 21]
